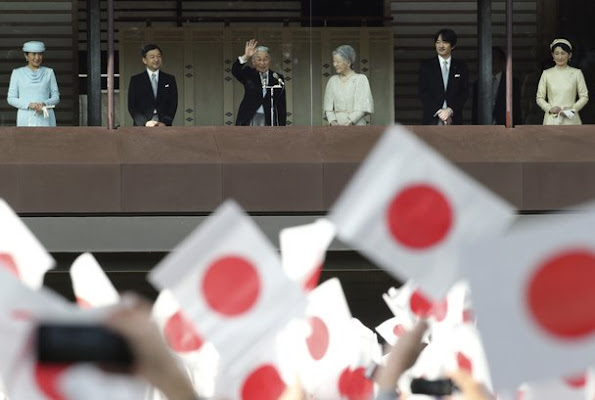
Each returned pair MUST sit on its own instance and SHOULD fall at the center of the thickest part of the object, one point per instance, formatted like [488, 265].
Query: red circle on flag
[468, 315]
[560, 294]
[231, 286]
[180, 334]
[48, 379]
[419, 216]
[576, 382]
[420, 305]
[264, 383]
[318, 340]
[312, 280]
[354, 385]
[84, 304]
[7, 261]
[464, 363]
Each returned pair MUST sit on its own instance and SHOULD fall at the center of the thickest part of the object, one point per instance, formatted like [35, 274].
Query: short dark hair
[448, 36]
[148, 48]
[563, 46]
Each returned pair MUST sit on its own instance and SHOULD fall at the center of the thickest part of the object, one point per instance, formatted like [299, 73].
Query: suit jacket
[142, 102]
[499, 111]
[431, 89]
[253, 97]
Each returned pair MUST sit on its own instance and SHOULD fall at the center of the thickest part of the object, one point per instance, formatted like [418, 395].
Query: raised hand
[250, 48]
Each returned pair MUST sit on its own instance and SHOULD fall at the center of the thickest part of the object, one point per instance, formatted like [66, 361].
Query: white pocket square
[167, 85]
[457, 75]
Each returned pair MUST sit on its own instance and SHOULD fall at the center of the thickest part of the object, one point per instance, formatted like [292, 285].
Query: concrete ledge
[281, 170]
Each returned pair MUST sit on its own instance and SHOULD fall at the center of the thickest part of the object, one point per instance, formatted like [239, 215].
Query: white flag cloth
[20, 252]
[533, 294]
[410, 210]
[91, 286]
[228, 279]
[303, 249]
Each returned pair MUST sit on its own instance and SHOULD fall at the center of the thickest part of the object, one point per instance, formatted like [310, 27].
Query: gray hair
[346, 52]
[264, 49]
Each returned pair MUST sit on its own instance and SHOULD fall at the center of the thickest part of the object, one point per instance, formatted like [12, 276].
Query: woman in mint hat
[33, 89]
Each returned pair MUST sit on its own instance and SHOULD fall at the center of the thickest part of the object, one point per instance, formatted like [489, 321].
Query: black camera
[439, 387]
[62, 343]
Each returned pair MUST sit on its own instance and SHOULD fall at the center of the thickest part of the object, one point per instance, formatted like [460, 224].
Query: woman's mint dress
[37, 86]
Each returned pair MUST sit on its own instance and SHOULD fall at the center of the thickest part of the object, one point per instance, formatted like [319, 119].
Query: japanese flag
[303, 249]
[533, 294]
[464, 350]
[20, 252]
[181, 335]
[261, 374]
[36, 381]
[92, 288]
[571, 388]
[228, 279]
[330, 368]
[393, 328]
[20, 309]
[410, 304]
[410, 211]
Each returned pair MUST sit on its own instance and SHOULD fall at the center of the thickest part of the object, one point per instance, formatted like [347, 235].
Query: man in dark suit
[152, 94]
[499, 94]
[443, 83]
[255, 109]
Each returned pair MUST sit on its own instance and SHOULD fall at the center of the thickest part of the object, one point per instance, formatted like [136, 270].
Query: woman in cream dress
[347, 98]
[559, 88]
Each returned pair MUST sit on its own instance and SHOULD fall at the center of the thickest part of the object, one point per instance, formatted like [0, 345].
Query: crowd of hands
[159, 366]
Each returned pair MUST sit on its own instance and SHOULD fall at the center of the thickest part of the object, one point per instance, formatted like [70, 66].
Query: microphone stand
[272, 89]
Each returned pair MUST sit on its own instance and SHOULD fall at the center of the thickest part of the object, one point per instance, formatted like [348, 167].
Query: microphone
[277, 77]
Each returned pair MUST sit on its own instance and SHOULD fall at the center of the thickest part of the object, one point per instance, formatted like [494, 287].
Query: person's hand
[555, 110]
[445, 115]
[250, 48]
[151, 123]
[36, 106]
[402, 357]
[152, 358]
[294, 392]
[469, 388]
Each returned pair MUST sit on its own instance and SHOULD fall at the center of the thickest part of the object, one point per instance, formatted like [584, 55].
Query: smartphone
[62, 343]
[439, 387]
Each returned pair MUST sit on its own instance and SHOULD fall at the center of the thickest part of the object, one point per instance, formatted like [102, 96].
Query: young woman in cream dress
[559, 88]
